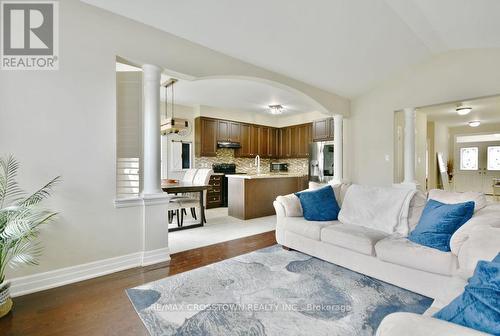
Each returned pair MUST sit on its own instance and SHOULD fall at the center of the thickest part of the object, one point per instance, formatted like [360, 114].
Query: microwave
[277, 167]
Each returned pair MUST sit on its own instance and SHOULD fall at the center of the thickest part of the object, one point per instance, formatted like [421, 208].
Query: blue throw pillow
[478, 307]
[319, 204]
[438, 223]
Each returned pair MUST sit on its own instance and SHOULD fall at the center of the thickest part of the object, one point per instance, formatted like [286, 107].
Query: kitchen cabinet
[228, 131]
[323, 129]
[249, 141]
[206, 131]
[285, 150]
[254, 140]
[303, 138]
[244, 150]
[273, 150]
[214, 195]
[265, 141]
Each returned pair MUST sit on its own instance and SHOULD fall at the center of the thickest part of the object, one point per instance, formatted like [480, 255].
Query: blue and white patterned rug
[270, 292]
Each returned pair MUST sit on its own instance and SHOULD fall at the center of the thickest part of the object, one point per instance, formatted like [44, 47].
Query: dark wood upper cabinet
[244, 150]
[265, 141]
[323, 129]
[206, 131]
[228, 131]
[303, 138]
[285, 143]
[272, 150]
[222, 130]
[254, 140]
[234, 131]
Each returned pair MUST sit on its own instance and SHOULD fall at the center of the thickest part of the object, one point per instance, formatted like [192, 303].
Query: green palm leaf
[41, 194]
[20, 218]
[9, 189]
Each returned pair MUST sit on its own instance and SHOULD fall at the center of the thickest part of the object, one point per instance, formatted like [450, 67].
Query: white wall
[64, 123]
[449, 77]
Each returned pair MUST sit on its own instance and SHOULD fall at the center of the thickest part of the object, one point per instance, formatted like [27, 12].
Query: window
[478, 138]
[493, 157]
[127, 177]
[128, 132]
[469, 158]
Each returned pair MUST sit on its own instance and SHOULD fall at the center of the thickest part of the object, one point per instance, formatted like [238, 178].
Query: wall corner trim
[63, 276]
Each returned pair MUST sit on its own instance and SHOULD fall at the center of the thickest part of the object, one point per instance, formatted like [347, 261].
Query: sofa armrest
[482, 244]
[410, 324]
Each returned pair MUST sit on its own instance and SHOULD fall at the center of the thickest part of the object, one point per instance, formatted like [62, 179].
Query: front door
[477, 164]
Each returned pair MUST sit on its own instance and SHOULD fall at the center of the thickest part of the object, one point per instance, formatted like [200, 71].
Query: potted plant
[20, 218]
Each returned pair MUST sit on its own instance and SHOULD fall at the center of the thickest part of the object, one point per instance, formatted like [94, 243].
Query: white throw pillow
[292, 206]
[449, 197]
[417, 206]
[339, 189]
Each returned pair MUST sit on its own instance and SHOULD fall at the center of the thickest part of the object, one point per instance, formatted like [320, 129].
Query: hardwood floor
[100, 306]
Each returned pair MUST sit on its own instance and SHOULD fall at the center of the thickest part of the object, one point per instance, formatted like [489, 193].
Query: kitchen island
[252, 196]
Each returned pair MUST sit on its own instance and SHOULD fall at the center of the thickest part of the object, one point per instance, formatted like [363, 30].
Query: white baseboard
[63, 276]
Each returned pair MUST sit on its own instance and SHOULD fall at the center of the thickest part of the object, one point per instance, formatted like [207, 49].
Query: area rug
[270, 292]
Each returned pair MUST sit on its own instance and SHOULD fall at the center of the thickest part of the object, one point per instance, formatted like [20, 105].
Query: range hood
[228, 144]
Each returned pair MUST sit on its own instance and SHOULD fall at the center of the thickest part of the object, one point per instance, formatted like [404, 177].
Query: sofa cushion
[319, 205]
[439, 222]
[403, 252]
[449, 197]
[309, 229]
[353, 237]
[479, 305]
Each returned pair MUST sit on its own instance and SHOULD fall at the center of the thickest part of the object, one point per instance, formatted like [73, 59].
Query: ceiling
[344, 46]
[235, 94]
[486, 110]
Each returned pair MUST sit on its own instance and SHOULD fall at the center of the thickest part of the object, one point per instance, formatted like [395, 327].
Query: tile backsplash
[247, 165]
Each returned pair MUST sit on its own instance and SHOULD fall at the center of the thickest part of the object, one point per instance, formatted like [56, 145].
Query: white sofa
[360, 241]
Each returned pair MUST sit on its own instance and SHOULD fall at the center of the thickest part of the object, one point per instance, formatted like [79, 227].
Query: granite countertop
[266, 175]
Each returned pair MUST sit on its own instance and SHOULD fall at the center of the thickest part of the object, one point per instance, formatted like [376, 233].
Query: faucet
[257, 163]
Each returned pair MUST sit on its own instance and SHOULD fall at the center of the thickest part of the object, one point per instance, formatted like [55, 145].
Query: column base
[155, 228]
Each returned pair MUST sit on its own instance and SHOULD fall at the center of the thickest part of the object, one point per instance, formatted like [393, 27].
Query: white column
[151, 130]
[154, 225]
[409, 147]
[338, 158]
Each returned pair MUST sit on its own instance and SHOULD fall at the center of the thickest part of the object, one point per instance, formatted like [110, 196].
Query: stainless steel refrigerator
[321, 161]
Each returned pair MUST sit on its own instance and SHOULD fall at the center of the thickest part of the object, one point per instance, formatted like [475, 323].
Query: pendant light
[173, 125]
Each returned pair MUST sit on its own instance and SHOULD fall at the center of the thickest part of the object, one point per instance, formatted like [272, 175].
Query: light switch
[387, 157]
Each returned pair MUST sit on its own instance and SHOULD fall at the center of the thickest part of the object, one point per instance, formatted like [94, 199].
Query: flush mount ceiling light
[474, 123]
[276, 109]
[462, 110]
